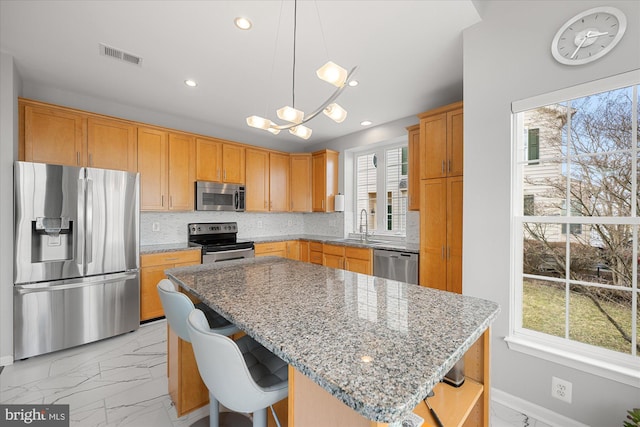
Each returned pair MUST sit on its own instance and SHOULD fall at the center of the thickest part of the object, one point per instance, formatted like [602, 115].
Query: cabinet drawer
[315, 247]
[358, 253]
[315, 257]
[263, 248]
[333, 250]
[179, 257]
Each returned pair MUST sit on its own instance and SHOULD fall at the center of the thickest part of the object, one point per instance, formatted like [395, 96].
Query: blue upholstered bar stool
[177, 307]
[242, 375]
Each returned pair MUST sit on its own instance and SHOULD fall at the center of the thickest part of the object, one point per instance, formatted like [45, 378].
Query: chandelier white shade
[335, 112]
[332, 73]
[290, 114]
[300, 131]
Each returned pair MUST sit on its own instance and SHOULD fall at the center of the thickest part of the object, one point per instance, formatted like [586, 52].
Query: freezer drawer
[56, 315]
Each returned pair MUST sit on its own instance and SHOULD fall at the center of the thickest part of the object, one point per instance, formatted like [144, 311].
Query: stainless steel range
[219, 241]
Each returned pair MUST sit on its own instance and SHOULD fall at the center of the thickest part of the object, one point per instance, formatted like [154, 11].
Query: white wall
[506, 58]
[10, 86]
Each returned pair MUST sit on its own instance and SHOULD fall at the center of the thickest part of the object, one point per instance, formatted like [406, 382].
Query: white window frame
[599, 361]
[381, 199]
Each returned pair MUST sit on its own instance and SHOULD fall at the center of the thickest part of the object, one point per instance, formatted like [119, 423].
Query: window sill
[625, 372]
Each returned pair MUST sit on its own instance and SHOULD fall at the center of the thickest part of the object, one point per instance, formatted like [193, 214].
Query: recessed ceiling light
[366, 122]
[243, 23]
[353, 83]
[190, 83]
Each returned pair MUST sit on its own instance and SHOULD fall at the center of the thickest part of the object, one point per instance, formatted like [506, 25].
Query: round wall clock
[588, 36]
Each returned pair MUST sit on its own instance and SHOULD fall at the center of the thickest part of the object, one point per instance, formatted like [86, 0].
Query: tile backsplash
[171, 227]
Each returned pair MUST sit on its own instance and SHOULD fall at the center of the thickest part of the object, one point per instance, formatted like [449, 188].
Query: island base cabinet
[465, 406]
[187, 390]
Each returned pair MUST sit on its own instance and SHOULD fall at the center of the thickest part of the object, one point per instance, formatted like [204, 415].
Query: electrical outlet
[561, 389]
[259, 224]
[155, 226]
[289, 223]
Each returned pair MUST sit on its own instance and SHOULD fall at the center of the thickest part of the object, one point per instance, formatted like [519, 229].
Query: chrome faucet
[363, 237]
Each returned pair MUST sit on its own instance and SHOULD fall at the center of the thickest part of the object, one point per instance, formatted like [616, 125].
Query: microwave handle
[237, 198]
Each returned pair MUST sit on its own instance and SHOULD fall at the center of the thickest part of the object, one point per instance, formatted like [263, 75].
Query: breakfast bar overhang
[362, 350]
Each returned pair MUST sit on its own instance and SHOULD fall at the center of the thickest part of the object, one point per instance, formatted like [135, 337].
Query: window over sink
[380, 189]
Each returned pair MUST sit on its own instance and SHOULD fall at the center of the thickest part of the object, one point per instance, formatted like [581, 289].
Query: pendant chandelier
[329, 72]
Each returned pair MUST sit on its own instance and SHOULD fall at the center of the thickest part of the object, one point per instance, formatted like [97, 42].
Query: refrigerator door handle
[89, 223]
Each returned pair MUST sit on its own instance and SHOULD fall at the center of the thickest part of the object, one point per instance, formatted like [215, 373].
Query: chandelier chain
[295, 24]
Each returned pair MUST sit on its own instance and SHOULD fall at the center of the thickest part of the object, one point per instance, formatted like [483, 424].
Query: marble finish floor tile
[121, 381]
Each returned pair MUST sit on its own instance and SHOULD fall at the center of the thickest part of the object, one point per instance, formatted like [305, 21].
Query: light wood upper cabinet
[152, 165]
[278, 182]
[63, 136]
[208, 160]
[233, 163]
[300, 188]
[111, 144]
[257, 180]
[441, 142]
[53, 135]
[414, 167]
[166, 163]
[219, 161]
[324, 180]
[181, 172]
[441, 234]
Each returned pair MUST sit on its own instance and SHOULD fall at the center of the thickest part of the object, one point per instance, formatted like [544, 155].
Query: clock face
[588, 36]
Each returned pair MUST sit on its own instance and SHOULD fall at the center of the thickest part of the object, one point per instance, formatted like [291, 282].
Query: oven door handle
[229, 252]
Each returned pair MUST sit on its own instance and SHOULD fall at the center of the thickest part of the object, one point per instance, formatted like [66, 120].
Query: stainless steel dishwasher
[396, 265]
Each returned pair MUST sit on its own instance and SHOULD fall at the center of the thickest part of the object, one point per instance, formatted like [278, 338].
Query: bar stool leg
[214, 411]
[260, 418]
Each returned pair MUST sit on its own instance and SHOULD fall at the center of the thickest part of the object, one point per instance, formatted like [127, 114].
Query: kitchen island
[355, 341]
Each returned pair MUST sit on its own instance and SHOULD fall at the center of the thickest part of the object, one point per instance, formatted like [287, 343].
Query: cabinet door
[433, 146]
[414, 168]
[319, 183]
[54, 136]
[152, 165]
[333, 261]
[257, 180]
[455, 143]
[454, 234]
[233, 163]
[358, 265]
[324, 180]
[271, 249]
[150, 304]
[304, 251]
[278, 182]
[111, 144]
[300, 182]
[181, 172]
[293, 249]
[433, 233]
[208, 160]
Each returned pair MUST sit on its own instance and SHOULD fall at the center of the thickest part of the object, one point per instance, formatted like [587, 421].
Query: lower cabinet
[152, 267]
[358, 260]
[271, 249]
[293, 249]
[304, 250]
[315, 253]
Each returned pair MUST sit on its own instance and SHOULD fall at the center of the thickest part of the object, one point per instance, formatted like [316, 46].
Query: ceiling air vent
[119, 54]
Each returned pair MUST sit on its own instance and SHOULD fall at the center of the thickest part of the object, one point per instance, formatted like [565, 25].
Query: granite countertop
[172, 247]
[373, 243]
[324, 321]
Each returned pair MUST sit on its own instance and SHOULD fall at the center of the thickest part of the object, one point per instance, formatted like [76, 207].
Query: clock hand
[589, 35]
[575, 52]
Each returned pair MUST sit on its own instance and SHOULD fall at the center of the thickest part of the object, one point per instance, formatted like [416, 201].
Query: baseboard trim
[6, 360]
[531, 409]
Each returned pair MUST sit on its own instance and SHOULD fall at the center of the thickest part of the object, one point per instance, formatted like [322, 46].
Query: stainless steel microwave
[213, 196]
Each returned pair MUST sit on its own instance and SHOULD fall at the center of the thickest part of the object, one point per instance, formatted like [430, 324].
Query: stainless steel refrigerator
[76, 274]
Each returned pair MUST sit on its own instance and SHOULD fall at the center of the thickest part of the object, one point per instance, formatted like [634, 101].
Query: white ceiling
[408, 53]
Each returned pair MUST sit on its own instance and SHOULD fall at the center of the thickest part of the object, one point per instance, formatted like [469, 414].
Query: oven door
[212, 196]
[211, 257]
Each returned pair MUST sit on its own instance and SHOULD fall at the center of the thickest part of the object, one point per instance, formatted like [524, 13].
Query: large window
[576, 225]
[381, 190]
